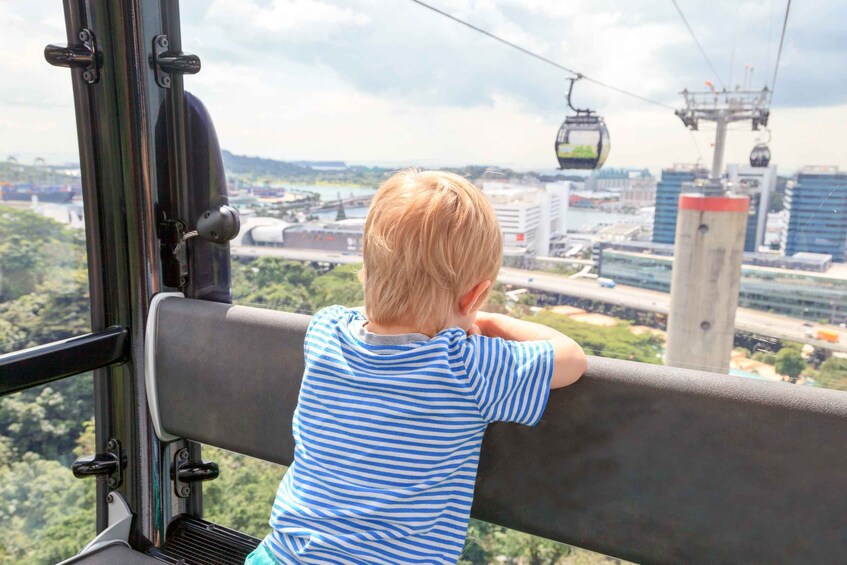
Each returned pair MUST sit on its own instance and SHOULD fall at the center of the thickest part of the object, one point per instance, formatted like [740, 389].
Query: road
[752, 321]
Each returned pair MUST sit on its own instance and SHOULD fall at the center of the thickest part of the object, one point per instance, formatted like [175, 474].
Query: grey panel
[110, 554]
[661, 465]
[229, 375]
[653, 464]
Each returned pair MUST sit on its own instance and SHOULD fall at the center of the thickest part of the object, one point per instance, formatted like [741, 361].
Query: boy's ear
[474, 298]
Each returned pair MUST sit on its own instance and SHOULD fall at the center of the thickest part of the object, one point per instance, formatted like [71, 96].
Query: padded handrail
[648, 463]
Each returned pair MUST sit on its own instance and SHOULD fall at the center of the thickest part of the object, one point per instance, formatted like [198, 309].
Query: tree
[616, 342]
[341, 285]
[764, 357]
[46, 514]
[833, 373]
[790, 363]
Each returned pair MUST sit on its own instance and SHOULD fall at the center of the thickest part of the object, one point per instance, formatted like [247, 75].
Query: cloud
[387, 81]
[406, 52]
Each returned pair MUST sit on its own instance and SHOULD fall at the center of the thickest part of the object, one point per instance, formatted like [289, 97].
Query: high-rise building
[676, 180]
[816, 201]
[756, 183]
[530, 213]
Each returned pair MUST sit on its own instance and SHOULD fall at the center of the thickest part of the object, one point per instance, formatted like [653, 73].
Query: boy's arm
[569, 362]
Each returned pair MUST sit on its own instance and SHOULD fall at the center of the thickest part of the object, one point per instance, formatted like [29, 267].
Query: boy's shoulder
[333, 314]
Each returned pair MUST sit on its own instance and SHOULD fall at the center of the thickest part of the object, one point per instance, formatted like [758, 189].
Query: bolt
[113, 482]
[110, 498]
[84, 35]
[163, 42]
[111, 444]
[88, 75]
[183, 454]
[166, 82]
[185, 491]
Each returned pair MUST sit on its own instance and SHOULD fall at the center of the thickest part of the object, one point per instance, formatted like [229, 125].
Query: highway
[753, 321]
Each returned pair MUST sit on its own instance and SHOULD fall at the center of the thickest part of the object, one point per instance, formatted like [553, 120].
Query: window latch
[82, 55]
[184, 472]
[166, 62]
[109, 465]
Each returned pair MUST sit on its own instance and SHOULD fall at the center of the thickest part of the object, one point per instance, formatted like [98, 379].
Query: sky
[388, 82]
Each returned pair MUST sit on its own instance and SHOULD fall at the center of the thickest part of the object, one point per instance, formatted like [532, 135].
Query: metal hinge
[174, 253]
[166, 62]
[83, 55]
[184, 472]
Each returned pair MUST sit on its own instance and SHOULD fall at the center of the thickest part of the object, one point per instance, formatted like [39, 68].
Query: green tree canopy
[790, 363]
[616, 342]
[833, 373]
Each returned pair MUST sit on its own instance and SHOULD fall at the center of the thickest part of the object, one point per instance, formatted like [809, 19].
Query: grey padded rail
[648, 463]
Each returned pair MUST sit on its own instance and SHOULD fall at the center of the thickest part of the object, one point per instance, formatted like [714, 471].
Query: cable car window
[301, 200]
[46, 514]
[580, 143]
[603, 239]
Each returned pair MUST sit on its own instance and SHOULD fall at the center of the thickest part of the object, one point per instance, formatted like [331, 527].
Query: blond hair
[430, 237]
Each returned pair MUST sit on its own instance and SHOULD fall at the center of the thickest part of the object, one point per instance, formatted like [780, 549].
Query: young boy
[394, 402]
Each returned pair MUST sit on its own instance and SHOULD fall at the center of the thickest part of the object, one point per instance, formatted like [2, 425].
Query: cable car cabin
[760, 156]
[582, 142]
[647, 463]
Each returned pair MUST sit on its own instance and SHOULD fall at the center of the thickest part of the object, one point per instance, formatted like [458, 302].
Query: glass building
[792, 292]
[817, 213]
[675, 181]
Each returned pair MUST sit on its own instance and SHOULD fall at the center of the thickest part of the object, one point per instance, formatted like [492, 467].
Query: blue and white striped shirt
[388, 432]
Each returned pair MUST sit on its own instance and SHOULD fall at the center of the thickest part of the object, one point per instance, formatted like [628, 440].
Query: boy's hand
[483, 323]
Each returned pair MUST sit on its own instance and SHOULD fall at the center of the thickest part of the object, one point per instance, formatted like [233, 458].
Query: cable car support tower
[709, 243]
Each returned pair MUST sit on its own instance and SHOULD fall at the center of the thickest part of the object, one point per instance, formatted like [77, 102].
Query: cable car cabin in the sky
[583, 139]
[760, 156]
[583, 142]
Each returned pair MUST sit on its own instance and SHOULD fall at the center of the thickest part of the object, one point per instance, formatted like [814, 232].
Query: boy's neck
[394, 329]
[456, 321]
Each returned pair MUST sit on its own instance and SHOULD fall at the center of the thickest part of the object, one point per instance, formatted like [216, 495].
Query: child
[394, 402]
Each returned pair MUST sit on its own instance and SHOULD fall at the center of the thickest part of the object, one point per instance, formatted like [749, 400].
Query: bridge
[746, 320]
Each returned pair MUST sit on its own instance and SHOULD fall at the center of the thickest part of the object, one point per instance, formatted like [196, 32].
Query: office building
[676, 180]
[531, 214]
[756, 183]
[806, 286]
[816, 202]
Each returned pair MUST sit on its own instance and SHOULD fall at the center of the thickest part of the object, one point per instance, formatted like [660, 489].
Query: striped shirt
[388, 431]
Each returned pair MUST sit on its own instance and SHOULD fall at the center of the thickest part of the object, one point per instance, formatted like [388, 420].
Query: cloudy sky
[389, 82]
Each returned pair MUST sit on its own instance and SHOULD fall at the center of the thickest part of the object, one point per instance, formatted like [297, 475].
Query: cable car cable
[540, 57]
[696, 146]
[770, 41]
[691, 31]
[779, 51]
